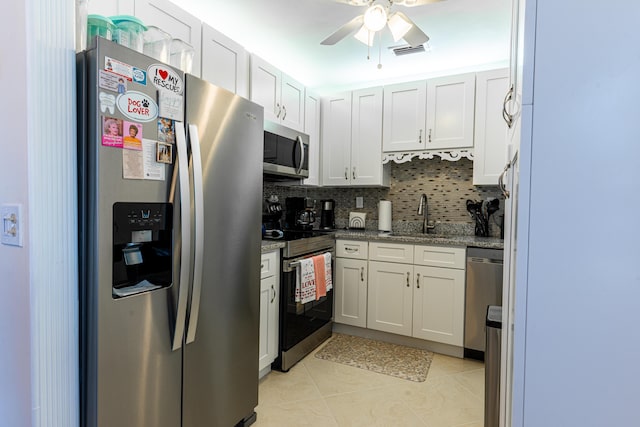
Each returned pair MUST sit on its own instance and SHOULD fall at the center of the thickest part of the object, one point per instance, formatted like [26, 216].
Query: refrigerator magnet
[107, 102]
[111, 81]
[118, 67]
[166, 131]
[111, 132]
[164, 153]
[132, 136]
[170, 105]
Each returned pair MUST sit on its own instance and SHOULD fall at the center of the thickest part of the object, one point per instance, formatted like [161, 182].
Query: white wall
[38, 282]
[582, 332]
[15, 390]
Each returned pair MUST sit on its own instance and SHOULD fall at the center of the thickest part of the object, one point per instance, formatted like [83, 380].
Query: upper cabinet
[429, 115]
[281, 96]
[450, 108]
[312, 128]
[111, 7]
[225, 63]
[405, 111]
[489, 154]
[352, 139]
[175, 21]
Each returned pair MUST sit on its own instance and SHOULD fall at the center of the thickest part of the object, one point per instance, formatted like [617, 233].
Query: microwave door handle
[198, 202]
[185, 230]
[299, 139]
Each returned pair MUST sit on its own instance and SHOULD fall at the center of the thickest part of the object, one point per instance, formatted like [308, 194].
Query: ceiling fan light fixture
[375, 18]
[398, 26]
[365, 36]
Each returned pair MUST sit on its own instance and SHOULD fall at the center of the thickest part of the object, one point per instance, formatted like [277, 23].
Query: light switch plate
[11, 224]
[359, 202]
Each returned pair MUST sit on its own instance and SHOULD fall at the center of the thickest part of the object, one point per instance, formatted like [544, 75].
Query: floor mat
[390, 359]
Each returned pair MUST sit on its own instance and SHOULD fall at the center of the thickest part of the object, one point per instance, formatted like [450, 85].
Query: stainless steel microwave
[286, 152]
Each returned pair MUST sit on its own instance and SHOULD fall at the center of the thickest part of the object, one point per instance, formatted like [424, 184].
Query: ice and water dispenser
[142, 247]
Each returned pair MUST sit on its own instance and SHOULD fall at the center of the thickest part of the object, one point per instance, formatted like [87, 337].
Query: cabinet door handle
[508, 118]
[418, 280]
[274, 294]
[346, 173]
[408, 274]
[284, 110]
[261, 266]
[362, 274]
[420, 137]
[501, 184]
[350, 249]
[354, 172]
[279, 110]
[429, 135]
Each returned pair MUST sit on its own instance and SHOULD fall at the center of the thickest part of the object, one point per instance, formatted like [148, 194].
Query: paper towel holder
[384, 216]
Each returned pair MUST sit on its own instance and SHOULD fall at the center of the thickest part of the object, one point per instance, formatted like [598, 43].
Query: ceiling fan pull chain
[379, 50]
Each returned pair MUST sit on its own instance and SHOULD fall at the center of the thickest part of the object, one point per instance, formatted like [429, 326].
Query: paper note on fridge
[170, 105]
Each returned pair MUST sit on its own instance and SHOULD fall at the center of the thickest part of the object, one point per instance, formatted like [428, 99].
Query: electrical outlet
[359, 202]
[11, 227]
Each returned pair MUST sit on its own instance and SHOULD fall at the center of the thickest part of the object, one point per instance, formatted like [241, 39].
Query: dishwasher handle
[484, 261]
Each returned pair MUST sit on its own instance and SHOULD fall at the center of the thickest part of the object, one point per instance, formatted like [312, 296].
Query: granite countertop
[272, 245]
[412, 238]
[419, 238]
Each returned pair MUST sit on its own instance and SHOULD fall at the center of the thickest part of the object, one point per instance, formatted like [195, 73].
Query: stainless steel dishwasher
[483, 288]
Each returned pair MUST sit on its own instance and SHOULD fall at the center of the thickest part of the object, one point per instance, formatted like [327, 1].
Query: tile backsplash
[447, 185]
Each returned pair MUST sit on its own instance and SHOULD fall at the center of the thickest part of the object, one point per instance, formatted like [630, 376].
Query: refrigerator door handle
[199, 233]
[185, 229]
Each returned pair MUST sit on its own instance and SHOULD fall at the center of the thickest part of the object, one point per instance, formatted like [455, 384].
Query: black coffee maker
[327, 214]
[271, 218]
[299, 213]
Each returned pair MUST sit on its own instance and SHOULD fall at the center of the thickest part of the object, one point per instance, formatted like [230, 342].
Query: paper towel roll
[384, 215]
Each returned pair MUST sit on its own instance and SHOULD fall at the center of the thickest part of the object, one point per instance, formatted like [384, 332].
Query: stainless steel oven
[302, 326]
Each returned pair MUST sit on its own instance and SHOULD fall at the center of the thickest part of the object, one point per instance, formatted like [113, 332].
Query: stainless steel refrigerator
[170, 202]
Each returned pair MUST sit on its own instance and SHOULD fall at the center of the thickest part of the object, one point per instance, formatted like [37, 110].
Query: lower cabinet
[419, 293]
[351, 278]
[269, 303]
[438, 305]
[350, 294]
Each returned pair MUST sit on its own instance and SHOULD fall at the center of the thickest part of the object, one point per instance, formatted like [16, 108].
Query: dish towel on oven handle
[313, 278]
[305, 282]
[322, 266]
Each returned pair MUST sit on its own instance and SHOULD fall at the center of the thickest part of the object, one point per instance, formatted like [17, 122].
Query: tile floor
[321, 393]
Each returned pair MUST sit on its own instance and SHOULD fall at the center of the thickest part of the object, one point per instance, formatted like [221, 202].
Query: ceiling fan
[376, 17]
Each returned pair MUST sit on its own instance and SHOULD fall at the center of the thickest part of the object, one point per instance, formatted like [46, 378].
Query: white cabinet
[438, 305]
[225, 63]
[450, 112]
[351, 280]
[429, 115]
[269, 303]
[111, 7]
[352, 139]
[281, 96]
[490, 141]
[175, 21]
[405, 112]
[336, 139]
[312, 128]
[417, 291]
[390, 297]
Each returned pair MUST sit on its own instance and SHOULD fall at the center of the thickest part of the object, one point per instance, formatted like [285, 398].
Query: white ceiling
[465, 35]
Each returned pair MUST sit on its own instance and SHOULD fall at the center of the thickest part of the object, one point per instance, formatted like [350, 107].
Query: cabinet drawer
[356, 249]
[391, 252]
[269, 264]
[440, 256]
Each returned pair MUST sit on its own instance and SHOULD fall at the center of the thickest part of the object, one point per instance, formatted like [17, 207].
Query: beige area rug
[390, 359]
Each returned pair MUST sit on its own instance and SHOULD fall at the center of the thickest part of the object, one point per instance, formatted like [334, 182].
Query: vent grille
[407, 50]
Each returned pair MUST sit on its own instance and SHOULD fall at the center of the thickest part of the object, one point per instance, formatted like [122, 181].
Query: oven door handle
[288, 265]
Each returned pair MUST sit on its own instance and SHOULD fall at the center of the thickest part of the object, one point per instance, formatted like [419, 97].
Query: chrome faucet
[423, 210]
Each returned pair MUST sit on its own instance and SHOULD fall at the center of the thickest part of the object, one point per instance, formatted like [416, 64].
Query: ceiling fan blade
[344, 31]
[415, 36]
[411, 3]
[353, 2]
